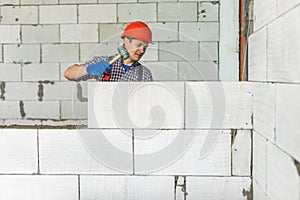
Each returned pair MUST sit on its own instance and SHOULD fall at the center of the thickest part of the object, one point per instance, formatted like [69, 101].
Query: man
[136, 37]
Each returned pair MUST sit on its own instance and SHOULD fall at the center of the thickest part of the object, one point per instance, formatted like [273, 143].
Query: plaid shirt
[137, 72]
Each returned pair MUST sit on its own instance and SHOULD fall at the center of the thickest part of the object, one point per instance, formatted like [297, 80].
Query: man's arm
[74, 72]
[77, 71]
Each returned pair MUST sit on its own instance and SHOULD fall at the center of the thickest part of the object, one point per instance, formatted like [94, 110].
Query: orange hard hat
[138, 30]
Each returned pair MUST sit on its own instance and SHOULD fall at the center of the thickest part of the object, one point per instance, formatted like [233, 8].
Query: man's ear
[126, 40]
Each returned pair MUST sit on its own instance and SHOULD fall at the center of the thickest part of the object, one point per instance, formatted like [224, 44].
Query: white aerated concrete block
[78, 91]
[41, 72]
[130, 12]
[88, 51]
[60, 91]
[219, 105]
[164, 31]
[284, 6]
[208, 11]
[60, 52]
[229, 41]
[151, 53]
[182, 152]
[21, 91]
[38, 187]
[11, 2]
[85, 151]
[199, 31]
[156, 0]
[264, 109]
[199, 70]
[41, 109]
[9, 34]
[209, 51]
[117, 1]
[58, 14]
[258, 55]
[259, 171]
[258, 192]
[127, 187]
[111, 32]
[73, 110]
[10, 72]
[264, 12]
[40, 34]
[102, 13]
[136, 105]
[19, 14]
[287, 118]
[283, 48]
[163, 71]
[225, 188]
[282, 175]
[31, 2]
[73, 33]
[77, 1]
[21, 53]
[241, 153]
[18, 151]
[177, 11]
[178, 51]
[10, 110]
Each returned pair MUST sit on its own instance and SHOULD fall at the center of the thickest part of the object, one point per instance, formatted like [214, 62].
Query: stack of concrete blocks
[184, 140]
[274, 70]
[40, 39]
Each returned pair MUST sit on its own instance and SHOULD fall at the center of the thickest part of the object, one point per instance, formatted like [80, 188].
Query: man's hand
[98, 68]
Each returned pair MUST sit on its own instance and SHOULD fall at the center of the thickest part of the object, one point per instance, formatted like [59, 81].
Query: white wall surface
[274, 66]
[193, 40]
[39, 39]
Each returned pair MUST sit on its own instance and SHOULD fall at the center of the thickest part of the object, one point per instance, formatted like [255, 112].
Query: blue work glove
[98, 68]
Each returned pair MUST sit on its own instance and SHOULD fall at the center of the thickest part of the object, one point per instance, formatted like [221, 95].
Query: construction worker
[136, 37]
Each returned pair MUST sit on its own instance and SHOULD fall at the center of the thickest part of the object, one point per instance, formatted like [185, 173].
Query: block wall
[274, 71]
[179, 140]
[43, 157]
[40, 39]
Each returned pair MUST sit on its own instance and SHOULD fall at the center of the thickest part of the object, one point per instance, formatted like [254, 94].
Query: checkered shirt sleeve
[138, 72]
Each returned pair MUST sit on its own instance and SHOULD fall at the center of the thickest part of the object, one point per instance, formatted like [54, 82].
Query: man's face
[136, 48]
